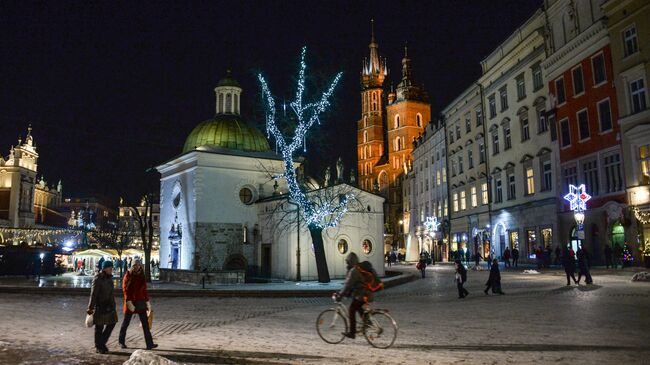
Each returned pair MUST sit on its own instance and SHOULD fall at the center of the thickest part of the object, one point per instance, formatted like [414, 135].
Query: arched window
[220, 106]
[374, 101]
[365, 121]
[229, 103]
[418, 120]
[236, 108]
[365, 152]
[396, 123]
[365, 136]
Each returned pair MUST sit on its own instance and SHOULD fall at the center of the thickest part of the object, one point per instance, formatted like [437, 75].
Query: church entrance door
[266, 261]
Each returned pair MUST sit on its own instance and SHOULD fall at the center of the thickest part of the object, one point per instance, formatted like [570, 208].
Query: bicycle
[378, 327]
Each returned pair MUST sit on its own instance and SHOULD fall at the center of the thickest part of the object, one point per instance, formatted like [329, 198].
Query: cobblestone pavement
[538, 321]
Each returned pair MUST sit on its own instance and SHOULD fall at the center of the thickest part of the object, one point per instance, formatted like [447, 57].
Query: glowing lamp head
[579, 216]
[42, 255]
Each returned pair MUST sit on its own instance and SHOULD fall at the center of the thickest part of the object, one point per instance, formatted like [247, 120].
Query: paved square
[539, 321]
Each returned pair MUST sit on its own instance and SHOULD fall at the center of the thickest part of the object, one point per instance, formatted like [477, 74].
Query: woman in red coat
[136, 301]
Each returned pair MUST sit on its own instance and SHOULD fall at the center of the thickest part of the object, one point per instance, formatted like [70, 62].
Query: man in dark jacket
[461, 278]
[515, 257]
[608, 256]
[354, 287]
[569, 263]
[583, 265]
[102, 306]
[494, 281]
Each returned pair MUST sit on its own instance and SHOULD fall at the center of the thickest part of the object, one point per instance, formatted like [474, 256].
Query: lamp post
[577, 198]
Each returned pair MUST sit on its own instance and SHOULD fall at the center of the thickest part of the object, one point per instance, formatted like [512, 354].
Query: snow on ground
[539, 321]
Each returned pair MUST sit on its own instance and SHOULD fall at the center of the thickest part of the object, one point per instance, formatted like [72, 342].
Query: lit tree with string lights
[319, 214]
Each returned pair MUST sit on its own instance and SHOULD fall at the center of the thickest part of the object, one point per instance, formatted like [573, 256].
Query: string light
[643, 217]
[322, 214]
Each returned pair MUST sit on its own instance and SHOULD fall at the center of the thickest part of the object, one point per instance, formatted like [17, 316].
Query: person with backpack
[360, 282]
[506, 258]
[515, 257]
[569, 263]
[422, 265]
[461, 278]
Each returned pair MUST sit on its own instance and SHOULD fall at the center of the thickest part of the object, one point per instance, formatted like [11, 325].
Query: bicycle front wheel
[380, 330]
[331, 325]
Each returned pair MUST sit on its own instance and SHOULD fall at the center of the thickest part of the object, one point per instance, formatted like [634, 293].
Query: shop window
[531, 240]
[547, 237]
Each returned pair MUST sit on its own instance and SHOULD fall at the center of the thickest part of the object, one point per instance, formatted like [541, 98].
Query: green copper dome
[227, 131]
[228, 81]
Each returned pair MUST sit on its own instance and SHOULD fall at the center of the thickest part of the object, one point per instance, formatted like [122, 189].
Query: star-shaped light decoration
[431, 224]
[577, 197]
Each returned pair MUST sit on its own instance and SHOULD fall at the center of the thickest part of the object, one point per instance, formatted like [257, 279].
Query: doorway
[266, 261]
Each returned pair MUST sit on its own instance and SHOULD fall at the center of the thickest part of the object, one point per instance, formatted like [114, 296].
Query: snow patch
[532, 272]
[641, 276]
[142, 357]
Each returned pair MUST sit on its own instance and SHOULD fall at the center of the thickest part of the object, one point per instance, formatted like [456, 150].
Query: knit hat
[106, 264]
[137, 261]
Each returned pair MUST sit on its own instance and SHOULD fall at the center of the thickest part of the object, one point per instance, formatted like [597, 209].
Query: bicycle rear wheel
[331, 325]
[380, 330]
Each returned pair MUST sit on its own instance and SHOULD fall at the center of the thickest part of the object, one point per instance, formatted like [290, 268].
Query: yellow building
[629, 31]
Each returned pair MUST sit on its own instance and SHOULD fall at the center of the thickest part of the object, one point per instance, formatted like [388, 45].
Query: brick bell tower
[407, 113]
[370, 128]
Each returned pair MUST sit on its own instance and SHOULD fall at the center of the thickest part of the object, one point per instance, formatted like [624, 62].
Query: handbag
[150, 318]
[89, 320]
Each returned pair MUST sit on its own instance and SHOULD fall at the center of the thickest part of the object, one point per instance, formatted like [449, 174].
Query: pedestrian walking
[558, 253]
[102, 306]
[547, 257]
[489, 260]
[506, 258]
[477, 259]
[393, 257]
[569, 263]
[608, 256]
[461, 278]
[422, 265]
[136, 301]
[539, 257]
[467, 256]
[617, 253]
[387, 258]
[583, 266]
[494, 281]
[515, 257]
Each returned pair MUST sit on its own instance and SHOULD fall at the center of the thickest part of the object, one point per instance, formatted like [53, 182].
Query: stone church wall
[220, 246]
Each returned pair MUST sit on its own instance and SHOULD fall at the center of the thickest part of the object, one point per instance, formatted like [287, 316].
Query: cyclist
[355, 286]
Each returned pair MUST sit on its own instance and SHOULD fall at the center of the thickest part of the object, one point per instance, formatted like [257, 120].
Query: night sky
[113, 88]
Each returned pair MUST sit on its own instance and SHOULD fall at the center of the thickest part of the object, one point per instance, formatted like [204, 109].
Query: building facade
[522, 159]
[426, 196]
[222, 206]
[629, 34]
[27, 204]
[467, 166]
[584, 104]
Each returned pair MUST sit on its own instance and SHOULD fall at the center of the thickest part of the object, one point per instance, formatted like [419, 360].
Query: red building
[584, 114]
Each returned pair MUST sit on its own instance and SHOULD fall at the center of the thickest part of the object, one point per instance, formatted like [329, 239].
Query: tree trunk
[147, 264]
[319, 252]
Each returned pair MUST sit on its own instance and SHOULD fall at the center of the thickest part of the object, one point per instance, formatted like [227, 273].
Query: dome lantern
[227, 94]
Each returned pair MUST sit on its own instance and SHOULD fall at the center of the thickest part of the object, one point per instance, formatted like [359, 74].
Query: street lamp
[577, 198]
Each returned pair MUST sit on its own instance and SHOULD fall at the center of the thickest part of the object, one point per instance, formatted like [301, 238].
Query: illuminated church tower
[385, 133]
[370, 128]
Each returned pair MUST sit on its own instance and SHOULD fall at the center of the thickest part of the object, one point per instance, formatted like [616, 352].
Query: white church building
[222, 210]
